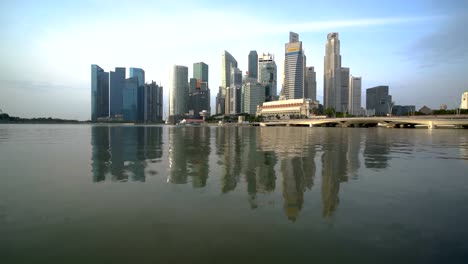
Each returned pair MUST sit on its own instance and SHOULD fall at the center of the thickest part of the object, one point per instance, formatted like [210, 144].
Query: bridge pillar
[311, 125]
[431, 125]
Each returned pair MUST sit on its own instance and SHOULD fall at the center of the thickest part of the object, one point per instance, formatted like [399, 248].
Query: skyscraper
[117, 79]
[99, 93]
[178, 90]
[233, 92]
[130, 99]
[153, 103]
[253, 64]
[310, 90]
[354, 102]
[253, 94]
[227, 63]
[293, 68]
[140, 74]
[220, 104]
[200, 71]
[267, 75]
[344, 90]
[332, 73]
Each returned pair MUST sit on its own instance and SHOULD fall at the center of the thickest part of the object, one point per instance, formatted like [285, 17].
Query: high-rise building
[117, 79]
[140, 74]
[220, 102]
[192, 85]
[233, 92]
[227, 62]
[354, 102]
[332, 73]
[99, 93]
[253, 64]
[267, 75]
[310, 91]
[178, 90]
[153, 102]
[253, 94]
[344, 90]
[378, 99]
[199, 101]
[294, 66]
[200, 71]
[130, 99]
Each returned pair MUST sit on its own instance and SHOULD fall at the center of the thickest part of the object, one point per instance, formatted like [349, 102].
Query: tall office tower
[332, 73]
[130, 99]
[344, 90]
[227, 63]
[117, 79]
[267, 75]
[99, 93]
[153, 103]
[220, 104]
[233, 92]
[354, 102]
[140, 74]
[199, 101]
[192, 85]
[178, 90]
[310, 90]
[378, 99]
[253, 94]
[293, 68]
[253, 64]
[200, 71]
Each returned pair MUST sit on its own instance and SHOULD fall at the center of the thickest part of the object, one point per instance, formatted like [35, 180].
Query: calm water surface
[160, 194]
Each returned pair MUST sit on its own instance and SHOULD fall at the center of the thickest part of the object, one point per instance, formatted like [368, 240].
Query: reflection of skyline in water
[121, 153]
[243, 155]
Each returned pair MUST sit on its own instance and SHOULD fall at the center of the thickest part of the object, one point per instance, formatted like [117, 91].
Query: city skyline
[46, 60]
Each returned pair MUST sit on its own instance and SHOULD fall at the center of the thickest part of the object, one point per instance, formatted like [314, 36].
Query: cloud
[446, 45]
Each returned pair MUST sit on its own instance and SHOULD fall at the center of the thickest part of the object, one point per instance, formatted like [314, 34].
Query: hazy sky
[418, 48]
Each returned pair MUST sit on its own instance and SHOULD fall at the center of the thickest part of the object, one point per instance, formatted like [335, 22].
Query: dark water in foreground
[154, 194]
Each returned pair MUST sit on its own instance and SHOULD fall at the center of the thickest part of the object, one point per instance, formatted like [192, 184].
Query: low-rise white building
[287, 108]
[464, 101]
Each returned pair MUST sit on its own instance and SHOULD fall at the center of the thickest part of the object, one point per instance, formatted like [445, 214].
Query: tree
[329, 112]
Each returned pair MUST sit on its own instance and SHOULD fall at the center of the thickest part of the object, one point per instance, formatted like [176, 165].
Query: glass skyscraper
[117, 79]
[200, 71]
[178, 90]
[99, 93]
[332, 76]
[253, 64]
[227, 62]
[140, 74]
[310, 90]
[130, 99]
[267, 75]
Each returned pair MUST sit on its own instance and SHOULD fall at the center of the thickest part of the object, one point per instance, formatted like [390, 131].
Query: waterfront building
[286, 108]
[200, 71]
[253, 64]
[332, 73]
[425, 110]
[153, 102]
[233, 92]
[402, 110]
[99, 93]
[178, 90]
[227, 61]
[267, 75]
[344, 90]
[253, 95]
[378, 99]
[294, 66]
[310, 90]
[199, 101]
[140, 74]
[220, 104]
[354, 97]
[116, 86]
[130, 99]
[464, 101]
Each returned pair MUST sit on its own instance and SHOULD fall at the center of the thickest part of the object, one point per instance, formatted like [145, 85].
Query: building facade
[139, 74]
[178, 90]
[354, 95]
[285, 109]
[233, 92]
[253, 64]
[116, 86]
[153, 102]
[332, 73]
[227, 61]
[294, 66]
[344, 90]
[310, 90]
[130, 99]
[253, 95]
[379, 100]
[200, 71]
[220, 101]
[99, 93]
[267, 75]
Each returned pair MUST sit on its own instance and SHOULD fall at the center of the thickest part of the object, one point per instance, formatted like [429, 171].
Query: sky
[418, 48]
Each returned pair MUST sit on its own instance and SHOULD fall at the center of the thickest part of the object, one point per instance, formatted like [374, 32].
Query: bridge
[431, 122]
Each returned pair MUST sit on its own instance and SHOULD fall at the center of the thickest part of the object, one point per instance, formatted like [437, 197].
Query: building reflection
[122, 153]
[377, 149]
[189, 150]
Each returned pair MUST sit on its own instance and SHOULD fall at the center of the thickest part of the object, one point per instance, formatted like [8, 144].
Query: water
[160, 194]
